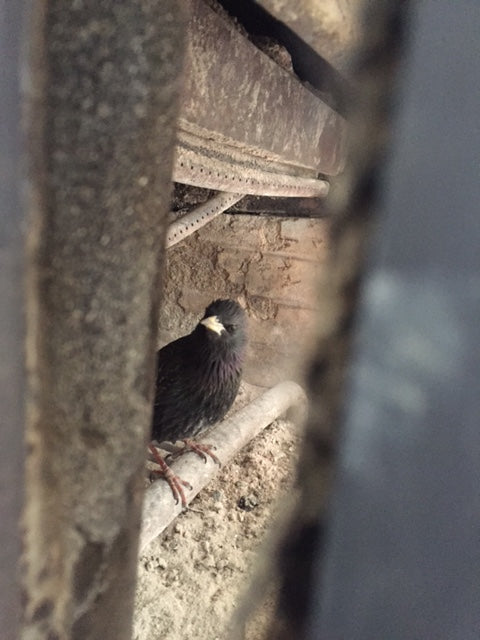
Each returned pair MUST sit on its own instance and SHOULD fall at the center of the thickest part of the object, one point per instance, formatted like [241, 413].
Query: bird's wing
[173, 371]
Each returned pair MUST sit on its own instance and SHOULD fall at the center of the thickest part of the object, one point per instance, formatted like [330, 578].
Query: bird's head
[225, 323]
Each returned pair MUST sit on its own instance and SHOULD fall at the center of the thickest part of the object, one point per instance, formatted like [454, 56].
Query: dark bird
[198, 377]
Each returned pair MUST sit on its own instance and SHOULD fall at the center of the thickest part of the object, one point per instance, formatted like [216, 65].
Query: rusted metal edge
[235, 92]
[214, 144]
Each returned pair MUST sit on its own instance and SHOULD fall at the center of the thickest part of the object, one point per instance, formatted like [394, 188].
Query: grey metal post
[102, 103]
[12, 378]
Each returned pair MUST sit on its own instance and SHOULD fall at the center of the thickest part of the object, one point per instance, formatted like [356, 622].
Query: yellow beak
[214, 324]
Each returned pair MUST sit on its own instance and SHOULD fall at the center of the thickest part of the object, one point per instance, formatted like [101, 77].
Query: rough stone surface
[100, 176]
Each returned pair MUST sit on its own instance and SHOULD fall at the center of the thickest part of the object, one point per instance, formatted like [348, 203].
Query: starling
[198, 377]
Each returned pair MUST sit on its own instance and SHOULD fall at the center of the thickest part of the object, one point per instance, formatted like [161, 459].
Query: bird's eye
[229, 327]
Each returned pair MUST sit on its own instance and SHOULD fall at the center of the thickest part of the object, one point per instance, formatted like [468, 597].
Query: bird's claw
[175, 483]
[202, 450]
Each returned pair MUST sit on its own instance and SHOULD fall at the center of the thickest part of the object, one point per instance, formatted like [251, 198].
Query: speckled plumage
[198, 375]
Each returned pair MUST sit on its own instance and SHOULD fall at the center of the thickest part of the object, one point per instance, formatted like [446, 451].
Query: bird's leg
[173, 480]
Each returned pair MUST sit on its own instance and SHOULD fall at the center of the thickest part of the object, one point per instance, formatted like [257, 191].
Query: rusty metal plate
[241, 107]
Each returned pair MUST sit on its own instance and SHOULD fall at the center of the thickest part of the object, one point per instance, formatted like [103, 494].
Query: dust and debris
[193, 576]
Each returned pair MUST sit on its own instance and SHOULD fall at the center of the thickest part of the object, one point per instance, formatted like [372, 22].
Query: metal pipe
[200, 216]
[159, 508]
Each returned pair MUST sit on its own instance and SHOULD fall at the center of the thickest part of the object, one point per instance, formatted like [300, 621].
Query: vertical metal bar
[100, 181]
[12, 379]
